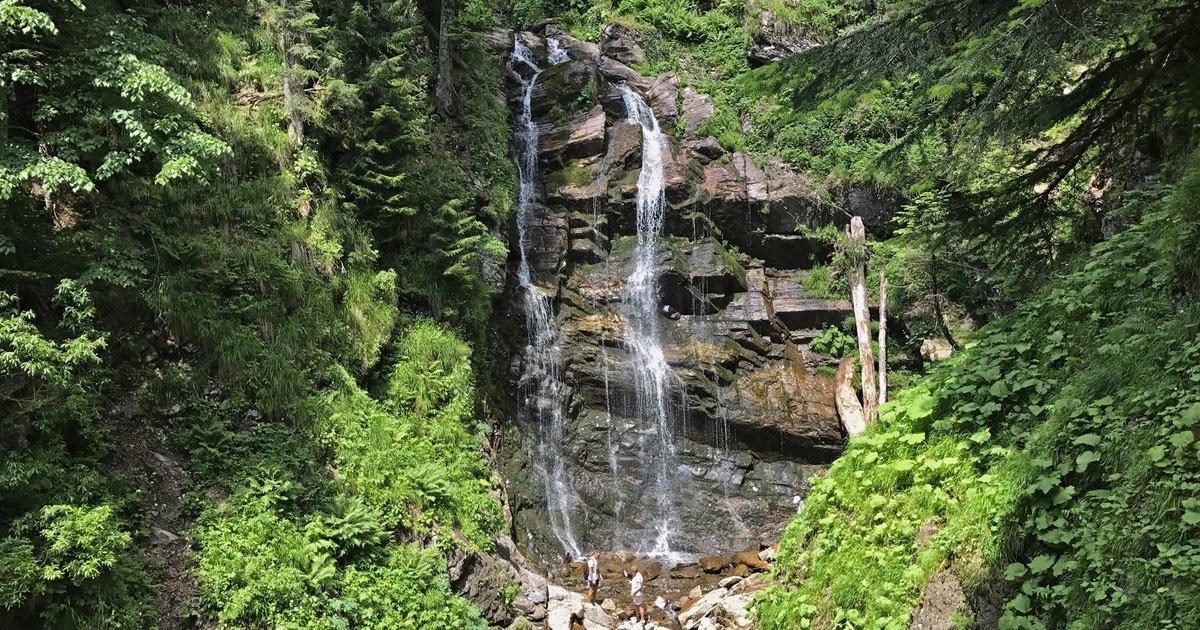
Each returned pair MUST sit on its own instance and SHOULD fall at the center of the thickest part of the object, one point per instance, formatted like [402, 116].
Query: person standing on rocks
[635, 591]
[593, 576]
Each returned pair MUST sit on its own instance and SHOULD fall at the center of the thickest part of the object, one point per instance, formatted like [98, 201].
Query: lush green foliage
[217, 218]
[1054, 460]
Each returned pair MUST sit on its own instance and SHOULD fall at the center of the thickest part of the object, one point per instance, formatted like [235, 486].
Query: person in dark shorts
[593, 576]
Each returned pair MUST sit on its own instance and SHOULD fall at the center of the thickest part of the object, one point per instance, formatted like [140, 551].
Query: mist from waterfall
[542, 388]
[641, 312]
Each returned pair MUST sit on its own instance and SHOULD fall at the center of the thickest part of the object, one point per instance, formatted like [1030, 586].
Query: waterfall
[542, 387]
[555, 53]
[640, 309]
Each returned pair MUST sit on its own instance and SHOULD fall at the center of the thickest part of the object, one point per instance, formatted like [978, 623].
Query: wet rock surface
[683, 596]
[753, 418]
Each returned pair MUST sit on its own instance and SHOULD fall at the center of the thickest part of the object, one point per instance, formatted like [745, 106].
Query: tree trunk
[850, 411]
[293, 90]
[862, 317]
[444, 88]
[882, 338]
[937, 303]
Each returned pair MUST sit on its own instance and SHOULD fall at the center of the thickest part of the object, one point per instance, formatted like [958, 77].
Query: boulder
[574, 47]
[663, 97]
[596, 618]
[580, 136]
[622, 43]
[652, 571]
[750, 584]
[933, 350]
[521, 623]
[701, 607]
[713, 564]
[741, 570]
[729, 581]
[707, 148]
[559, 87]
[771, 41]
[697, 109]
[750, 558]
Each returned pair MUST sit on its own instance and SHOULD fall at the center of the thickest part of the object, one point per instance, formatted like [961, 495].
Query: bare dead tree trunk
[850, 411]
[862, 317]
[293, 89]
[882, 338]
[444, 88]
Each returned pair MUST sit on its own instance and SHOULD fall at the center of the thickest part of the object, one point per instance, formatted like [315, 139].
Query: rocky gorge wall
[752, 417]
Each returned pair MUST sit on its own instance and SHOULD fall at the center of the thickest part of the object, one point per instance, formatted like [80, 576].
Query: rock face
[753, 416]
[772, 40]
[622, 43]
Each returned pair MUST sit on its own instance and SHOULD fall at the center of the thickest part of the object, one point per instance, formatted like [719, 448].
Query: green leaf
[1014, 571]
[1156, 453]
[1089, 439]
[1041, 563]
[1182, 439]
[921, 406]
[998, 389]
[1191, 518]
[1085, 459]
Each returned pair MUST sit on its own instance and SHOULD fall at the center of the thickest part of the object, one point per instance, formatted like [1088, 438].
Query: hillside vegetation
[230, 224]
[259, 241]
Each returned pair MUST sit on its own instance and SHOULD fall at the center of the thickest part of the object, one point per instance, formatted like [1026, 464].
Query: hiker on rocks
[635, 591]
[592, 573]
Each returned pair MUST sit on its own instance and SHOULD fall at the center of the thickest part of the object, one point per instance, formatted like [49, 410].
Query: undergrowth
[1052, 463]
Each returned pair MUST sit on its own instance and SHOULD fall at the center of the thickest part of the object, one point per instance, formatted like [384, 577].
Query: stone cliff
[753, 416]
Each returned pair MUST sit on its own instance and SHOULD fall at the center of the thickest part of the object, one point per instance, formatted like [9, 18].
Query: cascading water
[555, 53]
[542, 384]
[640, 310]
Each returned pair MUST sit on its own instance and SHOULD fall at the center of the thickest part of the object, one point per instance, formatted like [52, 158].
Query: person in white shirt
[593, 576]
[635, 591]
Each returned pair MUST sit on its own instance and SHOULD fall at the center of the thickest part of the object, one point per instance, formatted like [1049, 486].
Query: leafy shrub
[1056, 457]
[835, 343]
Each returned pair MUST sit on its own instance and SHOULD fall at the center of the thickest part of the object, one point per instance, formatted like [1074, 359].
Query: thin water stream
[543, 388]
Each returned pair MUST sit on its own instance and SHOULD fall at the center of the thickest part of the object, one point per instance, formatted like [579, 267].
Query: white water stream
[640, 310]
[542, 385]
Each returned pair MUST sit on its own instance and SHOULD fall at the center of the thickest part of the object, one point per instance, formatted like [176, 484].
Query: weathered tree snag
[862, 315]
[444, 88]
[882, 338]
[850, 411]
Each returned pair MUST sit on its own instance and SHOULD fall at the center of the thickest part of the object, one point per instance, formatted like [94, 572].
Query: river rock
[622, 43]
[729, 581]
[652, 571]
[701, 607]
[595, 618]
[713, 564]
[750, 558]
